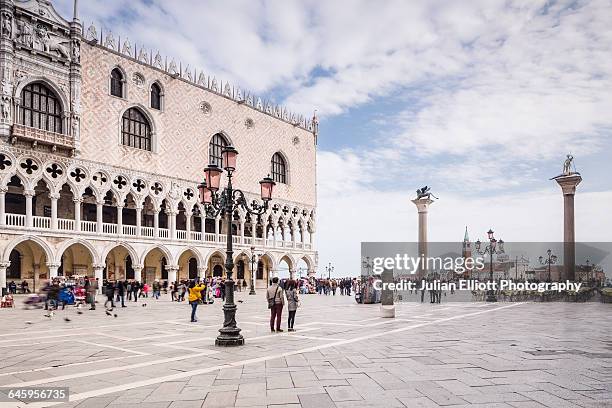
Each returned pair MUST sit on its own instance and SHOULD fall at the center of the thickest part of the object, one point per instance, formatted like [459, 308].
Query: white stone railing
[91, 227]
[65, 225]
[41, 222]
[17, 220]
[109, 228]
[148, 232]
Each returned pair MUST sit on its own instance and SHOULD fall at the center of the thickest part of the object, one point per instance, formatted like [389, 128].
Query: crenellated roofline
[209, 83]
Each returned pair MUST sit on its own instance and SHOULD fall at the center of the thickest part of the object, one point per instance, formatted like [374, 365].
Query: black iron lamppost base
[252, 292]
[229, 340]
[491, 297]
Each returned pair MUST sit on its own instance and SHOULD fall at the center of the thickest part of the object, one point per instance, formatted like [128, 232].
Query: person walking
[292, 303]
[135, 288]
[195, 296]
[110, 293]
[276, 301]
[121, 292]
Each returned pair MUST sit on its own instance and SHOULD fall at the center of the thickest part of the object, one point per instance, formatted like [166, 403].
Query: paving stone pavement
[511, 355]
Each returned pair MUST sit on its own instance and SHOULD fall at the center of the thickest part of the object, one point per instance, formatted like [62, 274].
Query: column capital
[98, 266]
[29, 193]
[568, 183]
[52, 265]
[77, 200]
[120, 205]
[54, 196]
[100, 202]
[422, 204]
[3, 189]
[138, 267]
[4, 265]
[171, 268]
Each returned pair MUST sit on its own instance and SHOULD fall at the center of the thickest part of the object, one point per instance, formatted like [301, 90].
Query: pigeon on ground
[28, 322]
[144, 305]
[66, 319]
[79, 312]
[115, 315]
[108, 313]
[240, 301]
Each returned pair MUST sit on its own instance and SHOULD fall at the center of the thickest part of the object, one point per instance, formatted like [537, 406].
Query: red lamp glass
[202, 190]
[267, 185]
[229, 155]
[490, 233]
[213, 177]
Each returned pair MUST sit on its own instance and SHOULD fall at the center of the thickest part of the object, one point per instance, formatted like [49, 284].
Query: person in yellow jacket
[195, 295]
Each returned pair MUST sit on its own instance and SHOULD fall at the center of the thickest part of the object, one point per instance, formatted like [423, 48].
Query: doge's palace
[103, 143]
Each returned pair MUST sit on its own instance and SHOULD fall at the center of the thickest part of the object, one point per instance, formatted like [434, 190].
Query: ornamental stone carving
[92, 34]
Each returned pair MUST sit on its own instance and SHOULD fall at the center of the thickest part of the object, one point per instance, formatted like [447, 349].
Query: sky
[479, 99]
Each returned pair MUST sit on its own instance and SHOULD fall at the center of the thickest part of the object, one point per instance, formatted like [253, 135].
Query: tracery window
[116, 84]
[279, 169]
[40, 108]
[135, 130]
[217, 143]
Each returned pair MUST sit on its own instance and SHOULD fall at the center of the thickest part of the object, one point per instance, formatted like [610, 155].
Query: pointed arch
[163, 249]
[47, 250]
[128, 247]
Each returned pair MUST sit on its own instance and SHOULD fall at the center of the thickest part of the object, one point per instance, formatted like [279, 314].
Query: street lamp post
[329, 269]
[549, 260]
[225, 203]
[253, 260]
[491, 249]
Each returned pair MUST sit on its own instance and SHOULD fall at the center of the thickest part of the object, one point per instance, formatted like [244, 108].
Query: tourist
[156, 289]
[292, 303]
[121, 292]
[276, 300]
[173, 291]
[12, 286]
[135, 289]
[110, 294]
[195, 296]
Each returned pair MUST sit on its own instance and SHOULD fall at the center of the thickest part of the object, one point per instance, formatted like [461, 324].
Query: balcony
[35, 135]
[90, 228]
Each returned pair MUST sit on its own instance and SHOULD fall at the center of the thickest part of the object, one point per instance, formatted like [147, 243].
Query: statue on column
[425, 192]
[569, 169]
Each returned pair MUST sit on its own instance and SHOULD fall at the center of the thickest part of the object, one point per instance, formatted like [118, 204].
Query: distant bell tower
[466, 250]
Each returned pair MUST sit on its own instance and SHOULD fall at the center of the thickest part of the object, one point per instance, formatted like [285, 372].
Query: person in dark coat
[121, 292]
[110, 292]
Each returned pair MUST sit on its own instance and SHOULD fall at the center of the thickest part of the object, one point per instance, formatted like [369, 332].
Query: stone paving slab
[342, 355]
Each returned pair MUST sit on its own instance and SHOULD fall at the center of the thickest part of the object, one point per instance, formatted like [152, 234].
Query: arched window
[40, 108]
[116, 83]
[217, 143]
[279, 169]
[156, 96]
[135, 130]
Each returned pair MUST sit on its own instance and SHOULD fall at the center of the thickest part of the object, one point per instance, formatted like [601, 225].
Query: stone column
[3, 191]
[422, 205]
[242, 224]
[293, 232]
[201, 272]
[28, 195]
[188, 225]
[568, 185]
[35, 279]
[54, 197]
[53, 267]
[137, 272]
[156, 222]
[77, 213]
[120, 219]
[172, 272]
[138, 221]
[203, 227]
[387, 308]
[291, 273]
[217, 220]
[99, 275]
[3, 267]
[171, 218]
[99, 218]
